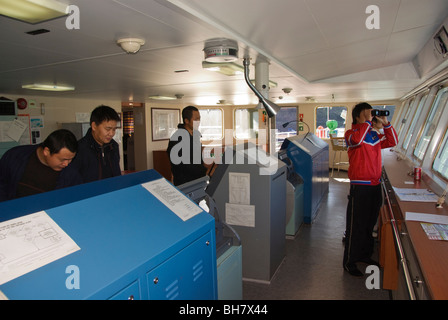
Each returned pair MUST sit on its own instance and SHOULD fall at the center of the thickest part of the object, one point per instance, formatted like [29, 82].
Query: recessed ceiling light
[32, 11]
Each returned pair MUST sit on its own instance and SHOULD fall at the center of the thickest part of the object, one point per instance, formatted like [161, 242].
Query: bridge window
[431, 124]
[440, 164]
[404, 112]
[246, 123]
[412, 126]
[330, 120]
[211, 126]
[288, 117]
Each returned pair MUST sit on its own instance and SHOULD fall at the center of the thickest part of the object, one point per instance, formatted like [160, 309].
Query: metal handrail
[407, 275]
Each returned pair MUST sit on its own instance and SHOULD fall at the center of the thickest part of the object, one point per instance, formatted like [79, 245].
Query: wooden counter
[430, 255]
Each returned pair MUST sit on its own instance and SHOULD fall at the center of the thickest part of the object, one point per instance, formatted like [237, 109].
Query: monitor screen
[7, 108]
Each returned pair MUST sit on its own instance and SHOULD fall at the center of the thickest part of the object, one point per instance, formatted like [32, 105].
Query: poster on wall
[17, 130]
[164, 123]
[37, 122]
[26, 136]
[36, 125]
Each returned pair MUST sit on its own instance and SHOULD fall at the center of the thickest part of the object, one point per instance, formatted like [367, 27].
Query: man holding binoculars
[365, 198]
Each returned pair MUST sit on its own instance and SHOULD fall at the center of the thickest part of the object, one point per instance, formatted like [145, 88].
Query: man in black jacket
[98, 153]
[32, 169]
[185, 149]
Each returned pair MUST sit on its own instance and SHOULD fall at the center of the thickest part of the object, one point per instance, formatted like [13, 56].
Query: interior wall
[58, 110]
[307, 109]
[61, 110]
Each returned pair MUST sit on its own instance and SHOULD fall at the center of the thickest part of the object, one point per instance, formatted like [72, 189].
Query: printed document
[426, 217]
[239, 188]
[30, 242]
[435, 231]
[419, 195]
[175, 200]
[434, 225]
[16, 130]
[240, 215]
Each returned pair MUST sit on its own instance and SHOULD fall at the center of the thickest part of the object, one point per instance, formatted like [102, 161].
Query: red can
[417, 173]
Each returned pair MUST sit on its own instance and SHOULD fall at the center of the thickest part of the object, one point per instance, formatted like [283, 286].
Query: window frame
[254, 110]
[435, 119]
[442, 144]
[327, 136]
[222, 124]
[407, 116]
[295, 126]
[412, 129]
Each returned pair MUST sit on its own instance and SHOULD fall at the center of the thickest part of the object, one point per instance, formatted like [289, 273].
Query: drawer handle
[156, 280]
[207, 243]
[131, 297]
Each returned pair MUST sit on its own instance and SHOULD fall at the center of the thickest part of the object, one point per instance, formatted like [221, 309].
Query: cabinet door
[188, 275]
[131, 292]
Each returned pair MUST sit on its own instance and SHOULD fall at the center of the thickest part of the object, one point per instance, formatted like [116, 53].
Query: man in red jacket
[365, 199]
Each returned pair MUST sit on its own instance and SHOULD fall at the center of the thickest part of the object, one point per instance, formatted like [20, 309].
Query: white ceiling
[319, 48]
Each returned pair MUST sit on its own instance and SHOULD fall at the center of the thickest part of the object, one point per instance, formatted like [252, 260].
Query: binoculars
[380, 113]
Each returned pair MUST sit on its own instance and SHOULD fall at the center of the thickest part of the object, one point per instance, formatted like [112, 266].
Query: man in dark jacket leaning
[31, 169]
[98, 153]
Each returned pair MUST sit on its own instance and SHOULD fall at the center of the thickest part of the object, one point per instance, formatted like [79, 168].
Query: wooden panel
[432, 255]
[387, 252]
[162, 163]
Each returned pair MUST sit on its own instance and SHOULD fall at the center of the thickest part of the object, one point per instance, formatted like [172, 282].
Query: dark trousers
[364, 203]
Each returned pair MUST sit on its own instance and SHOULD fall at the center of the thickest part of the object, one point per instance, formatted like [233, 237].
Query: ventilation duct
[434, 55]
[270, 107]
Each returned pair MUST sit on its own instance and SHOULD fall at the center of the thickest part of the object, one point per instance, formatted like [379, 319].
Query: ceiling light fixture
[157, 97]
[48, 87]
[130, 45]
[228, 69]
[32, 11]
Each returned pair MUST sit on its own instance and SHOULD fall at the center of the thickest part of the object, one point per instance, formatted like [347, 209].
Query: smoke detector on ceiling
[220, 50]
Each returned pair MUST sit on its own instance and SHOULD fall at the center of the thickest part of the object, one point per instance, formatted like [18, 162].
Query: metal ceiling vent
[220, 50]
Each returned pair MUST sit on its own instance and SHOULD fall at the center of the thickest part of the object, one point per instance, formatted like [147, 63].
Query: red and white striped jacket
[364, 152]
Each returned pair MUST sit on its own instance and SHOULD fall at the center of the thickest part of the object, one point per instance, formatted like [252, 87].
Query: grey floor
[312, 268]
